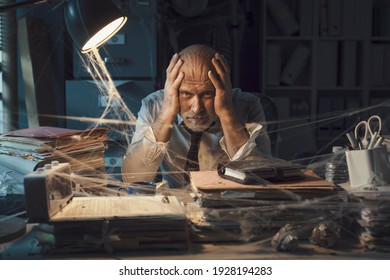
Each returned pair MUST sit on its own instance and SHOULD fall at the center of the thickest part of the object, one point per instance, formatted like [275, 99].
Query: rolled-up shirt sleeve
[144, 155]
[152, 150]
[254, 130]
[251, 113]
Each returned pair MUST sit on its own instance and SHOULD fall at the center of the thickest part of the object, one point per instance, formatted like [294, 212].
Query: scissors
[368, 132]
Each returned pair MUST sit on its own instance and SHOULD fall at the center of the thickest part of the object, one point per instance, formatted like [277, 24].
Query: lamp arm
[13, 6]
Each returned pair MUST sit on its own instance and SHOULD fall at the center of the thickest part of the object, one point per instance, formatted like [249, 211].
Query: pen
[373, 140]
[352, 140]
[378, 141]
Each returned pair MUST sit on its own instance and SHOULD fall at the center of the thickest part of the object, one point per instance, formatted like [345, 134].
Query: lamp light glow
[91, 23]
[104, 34]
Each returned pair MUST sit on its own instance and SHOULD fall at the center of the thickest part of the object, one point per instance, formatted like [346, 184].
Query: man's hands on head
[171, 88]
[162, 128]
[223, 104]
[234, 131]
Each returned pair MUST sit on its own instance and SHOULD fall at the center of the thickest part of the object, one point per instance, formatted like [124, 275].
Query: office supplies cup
[369, 167]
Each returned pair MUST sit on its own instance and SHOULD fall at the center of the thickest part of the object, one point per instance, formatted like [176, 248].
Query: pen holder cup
[369, 167]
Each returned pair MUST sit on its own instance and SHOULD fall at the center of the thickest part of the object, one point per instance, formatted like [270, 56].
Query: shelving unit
[322, 59]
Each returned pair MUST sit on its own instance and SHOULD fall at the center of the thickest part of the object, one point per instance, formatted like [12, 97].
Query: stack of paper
[209, 186]
[227, 210]
[25, 150]
[375, 224]
[373, 219]
[120, 223]
[257, 222]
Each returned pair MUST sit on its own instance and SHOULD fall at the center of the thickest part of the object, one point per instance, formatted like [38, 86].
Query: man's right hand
[162, 128]
[171, 89]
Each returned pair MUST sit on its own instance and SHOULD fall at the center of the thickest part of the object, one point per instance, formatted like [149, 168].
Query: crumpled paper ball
[325, 234]
[285, 239]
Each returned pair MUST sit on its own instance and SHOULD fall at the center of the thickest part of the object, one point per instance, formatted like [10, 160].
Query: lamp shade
[91, 23]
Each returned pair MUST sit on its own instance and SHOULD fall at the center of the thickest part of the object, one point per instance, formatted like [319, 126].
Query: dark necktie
[192, 163]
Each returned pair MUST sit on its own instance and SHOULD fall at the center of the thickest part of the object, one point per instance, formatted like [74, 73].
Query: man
[197, 121]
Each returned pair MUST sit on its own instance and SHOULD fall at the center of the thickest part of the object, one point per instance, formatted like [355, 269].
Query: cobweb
[324, 220]
[262, 222]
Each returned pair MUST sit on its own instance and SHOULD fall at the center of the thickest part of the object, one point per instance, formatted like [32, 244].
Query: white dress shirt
[144, 155]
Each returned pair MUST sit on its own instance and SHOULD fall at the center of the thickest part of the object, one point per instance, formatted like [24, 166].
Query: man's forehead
[191, 83]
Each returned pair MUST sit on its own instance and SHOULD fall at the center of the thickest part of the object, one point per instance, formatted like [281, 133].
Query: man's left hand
[223, 87]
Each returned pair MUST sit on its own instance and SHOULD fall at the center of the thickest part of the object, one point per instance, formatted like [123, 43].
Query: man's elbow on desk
[135, 169]
[130, 174]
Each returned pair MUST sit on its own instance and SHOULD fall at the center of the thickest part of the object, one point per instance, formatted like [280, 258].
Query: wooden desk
[26, 248]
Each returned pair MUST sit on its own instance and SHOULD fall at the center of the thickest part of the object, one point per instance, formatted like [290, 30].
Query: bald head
[196, 91]
[197, 63]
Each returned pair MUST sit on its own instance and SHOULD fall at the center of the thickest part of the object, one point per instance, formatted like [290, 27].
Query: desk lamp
[90, 23]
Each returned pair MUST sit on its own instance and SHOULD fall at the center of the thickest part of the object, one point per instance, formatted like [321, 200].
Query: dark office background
[244, 31]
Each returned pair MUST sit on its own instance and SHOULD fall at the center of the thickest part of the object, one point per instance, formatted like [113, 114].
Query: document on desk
[46, 139]
[22, 165]
[27, 149]
[260, 170]
[122, 222]
[49, 132]
[120, 207]
[207, 183]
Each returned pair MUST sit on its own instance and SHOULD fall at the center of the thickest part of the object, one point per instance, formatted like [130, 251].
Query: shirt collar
[179, 119]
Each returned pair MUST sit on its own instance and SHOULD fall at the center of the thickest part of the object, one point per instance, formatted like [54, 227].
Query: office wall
[61, 52]
[58, 45]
